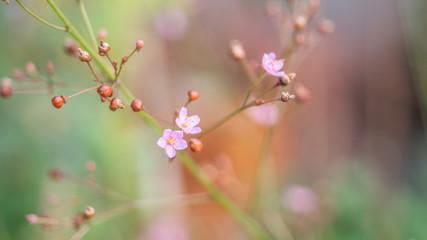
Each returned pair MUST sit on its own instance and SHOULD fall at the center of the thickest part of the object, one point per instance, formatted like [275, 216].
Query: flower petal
[272, 56]
[183, 114]
[177, 135]
[167, 133]
[162, 142]
[170, 151]
[193, 130]
[279, 65]
[180, 144]
[278, 74]
[193, 121]
[264, 59]
[178, 122]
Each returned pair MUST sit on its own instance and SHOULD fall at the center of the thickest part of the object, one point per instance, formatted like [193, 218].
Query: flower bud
[105, 91]
[103, 99]
[326, 26]
[103, 48]
[18, 75]
[6, 87]
[302, 94]
[56, 174]
[58, 101]
[139, 45]
[196, 145]
[90, 166]
[102, 34]
[89, 212]
[285, 97]
[284, 81]
[237, 50]
[193, 95]
[50, 69]
[116, 104]
[136, 105]
[300, 22]
[30, 68]
[70, 47]
[125, 59]
[6, 1]
[84, 56]
[32, 219]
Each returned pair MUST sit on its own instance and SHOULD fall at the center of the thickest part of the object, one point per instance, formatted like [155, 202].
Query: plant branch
[39, 18]
[87, 22]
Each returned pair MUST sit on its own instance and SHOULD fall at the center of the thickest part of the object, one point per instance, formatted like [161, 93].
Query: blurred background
[347, 164]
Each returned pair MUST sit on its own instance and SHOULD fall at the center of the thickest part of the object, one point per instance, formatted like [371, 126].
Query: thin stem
[122, 63]
[223, 120]
[268, 90]
[81, 232]
[83, 91]
[39, 18]
[259, 79]
[93, 72]
[157, 117]
[112, 64]
[248, 70]
[87, 22]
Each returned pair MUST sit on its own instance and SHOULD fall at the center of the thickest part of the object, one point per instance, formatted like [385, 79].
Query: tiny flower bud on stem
[115, 104]
[6, 87]
[196, 145]
[89, 212]
[193, 95]
[136, 105]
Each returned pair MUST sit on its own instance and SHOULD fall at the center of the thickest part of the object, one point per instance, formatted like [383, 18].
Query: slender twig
[83, 91]
[39, 18]
[79, 234]
[87, 22]
[123, 62]
[252, 87]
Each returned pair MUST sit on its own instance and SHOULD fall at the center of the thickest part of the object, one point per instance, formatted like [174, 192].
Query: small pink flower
[271, 65]
[188, 124]
[172, 141]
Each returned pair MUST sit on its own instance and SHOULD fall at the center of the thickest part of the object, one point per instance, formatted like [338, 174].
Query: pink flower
[271, 65]
[188, 124]
[172, 140]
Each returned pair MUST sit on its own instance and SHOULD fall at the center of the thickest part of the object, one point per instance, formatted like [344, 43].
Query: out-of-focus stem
[39, 18]
[254, 84]
[81, 232]
[87, 22]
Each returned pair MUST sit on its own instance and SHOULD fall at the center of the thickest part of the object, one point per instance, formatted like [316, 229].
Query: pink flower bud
[32, 219]
[30, 68]
[102, 34]
[50, 69]
[18, 75]
[139, 45]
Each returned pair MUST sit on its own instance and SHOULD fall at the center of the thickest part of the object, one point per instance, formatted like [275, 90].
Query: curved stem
[87, 22]
[259, 79]
[39, 18]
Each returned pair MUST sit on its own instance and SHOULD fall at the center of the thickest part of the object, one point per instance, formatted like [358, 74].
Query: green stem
[250, 225]
[39, 18]
[87, 22]
[259, 79]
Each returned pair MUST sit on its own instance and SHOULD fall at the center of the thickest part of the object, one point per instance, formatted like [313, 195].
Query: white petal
[180, 144]
[177, 135]
[167, 133]
[170, 151]
[193, 121]
[193, 130]
[162, 142]
[183, 113]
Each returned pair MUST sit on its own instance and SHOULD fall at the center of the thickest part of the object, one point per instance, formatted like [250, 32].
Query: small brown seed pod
[116, 104]
[103, 48]
[58, 101]
[196, 145]
[105, 91]
[89, 212]
[84, 56]
[136, 105]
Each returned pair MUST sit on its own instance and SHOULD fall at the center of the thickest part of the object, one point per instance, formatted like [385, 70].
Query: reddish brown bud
[103, 48]
[237, 50]
[176, 112]
[89, 212]
[302, 94]
[326, 26]
[103, 99]
[105, 91]
[193, 95]
[259, 102]
[102, 34]
[116, 104]
[77, 220]
[6, 87]
[18, 75]
[6, 1]
[196, 145]
[70, 47]
[136, 105]
[58, 101]
[56, 174]
[115, 63]
[49, 67]
[32, 219]
[84, 56]
[139, 45]
[30, 67]
[125, 59]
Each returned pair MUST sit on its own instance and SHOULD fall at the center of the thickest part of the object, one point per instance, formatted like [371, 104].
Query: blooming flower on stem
[172, 141]
[271, 65]
[188, 124]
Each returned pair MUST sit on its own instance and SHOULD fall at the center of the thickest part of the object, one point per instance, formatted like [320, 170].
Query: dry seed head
[103, 48]
[285, 97]
[116, 104]
[84, 56]
[89, 212]
[237, 50]
[136, 105]
[284, 81]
